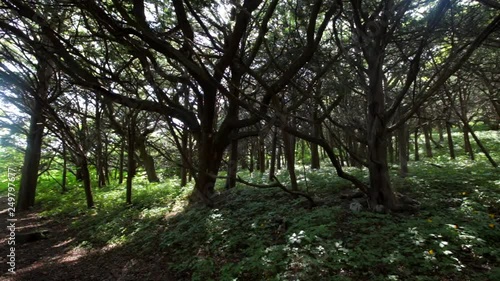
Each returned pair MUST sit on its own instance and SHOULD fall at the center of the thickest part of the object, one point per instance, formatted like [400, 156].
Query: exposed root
[277, 183]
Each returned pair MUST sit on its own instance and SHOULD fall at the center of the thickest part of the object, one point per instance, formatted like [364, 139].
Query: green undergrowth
[266, 234]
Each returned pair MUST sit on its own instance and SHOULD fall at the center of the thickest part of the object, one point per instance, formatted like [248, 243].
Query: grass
[265, 234]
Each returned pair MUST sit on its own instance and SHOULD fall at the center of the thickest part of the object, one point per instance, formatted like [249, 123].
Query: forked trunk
[209, 162]
[380, 192]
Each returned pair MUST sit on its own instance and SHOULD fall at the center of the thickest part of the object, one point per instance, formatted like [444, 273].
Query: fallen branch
[277, 183]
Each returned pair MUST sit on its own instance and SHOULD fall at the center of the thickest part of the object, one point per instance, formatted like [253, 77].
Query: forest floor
[266, 234]
[59, 258]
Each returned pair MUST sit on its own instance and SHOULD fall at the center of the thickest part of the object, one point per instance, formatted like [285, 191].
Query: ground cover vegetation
[252, 139]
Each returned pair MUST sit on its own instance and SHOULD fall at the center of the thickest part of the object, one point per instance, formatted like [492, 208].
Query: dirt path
[58, 258]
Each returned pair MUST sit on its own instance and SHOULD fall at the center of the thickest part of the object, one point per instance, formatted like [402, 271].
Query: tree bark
[467, 144]
[29, 176]
[121, 160]
[272, 168]
[131, 165]
[262, 154]
[315, 163]
[210, 157]
[65, 168]
[86, 181]
[147, 160]
[391, 149]
[403, 156]
[450, 140]
[279, 154]
[101, 179]
[232, 167]
[380, 190]
[427, 137]
[184, 152]
[415, 138]
[289, 150]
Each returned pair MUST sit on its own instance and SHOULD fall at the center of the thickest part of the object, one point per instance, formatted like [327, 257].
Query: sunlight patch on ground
[63, 243]
[73, 255]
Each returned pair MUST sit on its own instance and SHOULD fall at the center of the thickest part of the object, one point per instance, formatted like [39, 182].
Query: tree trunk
[121, 160]
[450, 140]
[467, 144]
[441, 132]
[403, 156]
[415, 137]
[65, 168]
[101, 179]
[147, 160]
[185, 164]
[476, 139]
[86, 181]
[106, 160]
[232, 167]
[190, 155]
[427, 137]
[272, 168]
[29, 176]
[131, 165]
[289, 151]
[252, 151]
[210, 157]
[262, 154]
[315, 163]
[243, 157]
[380, 192]
[391, 149]
[279, 154]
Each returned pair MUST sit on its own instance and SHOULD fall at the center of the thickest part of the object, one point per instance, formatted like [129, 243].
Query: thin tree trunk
[101, 179]
[106, 160]
[315, 163]
[262, 155]
[290, 159]
[467, 144]
[279, 154]
[65, 168]
[391, 149]
[476, 139]
[403, 156]
[272, 168]
[252, 152]
[415, 137]
[441, 132]
[185, 164]
[450, 140]
[232, 167]
[244, 156]
[427, 137]
[131, 165]
[190, 155]
[86, 181]
[121, 160]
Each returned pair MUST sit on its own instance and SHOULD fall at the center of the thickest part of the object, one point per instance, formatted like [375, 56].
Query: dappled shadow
[59, 258]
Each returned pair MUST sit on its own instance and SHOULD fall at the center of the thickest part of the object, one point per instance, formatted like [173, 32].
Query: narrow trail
[59, 258]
